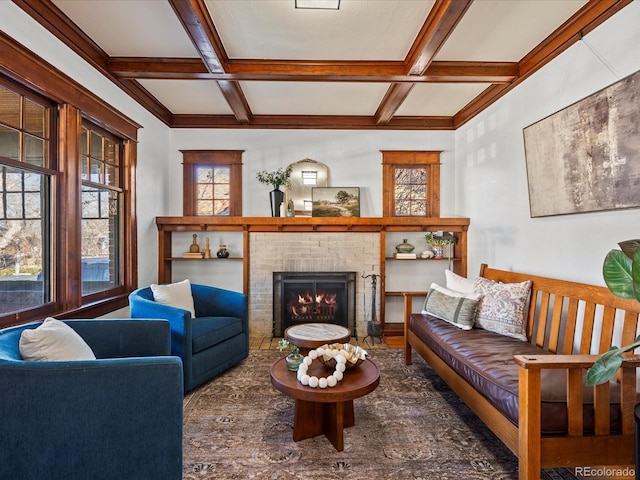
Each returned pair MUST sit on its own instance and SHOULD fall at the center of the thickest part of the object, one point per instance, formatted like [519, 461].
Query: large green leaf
[635, 274]
[617, 273]
[607, 365]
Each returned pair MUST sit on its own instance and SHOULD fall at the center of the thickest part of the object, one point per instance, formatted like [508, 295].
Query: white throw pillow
[54, 341]
[457, 283]
[175, 294]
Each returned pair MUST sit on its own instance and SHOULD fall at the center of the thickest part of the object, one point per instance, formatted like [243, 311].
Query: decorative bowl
[354, 354]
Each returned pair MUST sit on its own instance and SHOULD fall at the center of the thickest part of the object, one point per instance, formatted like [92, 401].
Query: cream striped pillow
[459, 309]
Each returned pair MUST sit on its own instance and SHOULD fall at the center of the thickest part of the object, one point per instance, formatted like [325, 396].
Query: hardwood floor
[266, 343]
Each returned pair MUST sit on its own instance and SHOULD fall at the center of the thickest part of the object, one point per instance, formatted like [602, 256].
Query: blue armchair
[215, 340]
[119, 416]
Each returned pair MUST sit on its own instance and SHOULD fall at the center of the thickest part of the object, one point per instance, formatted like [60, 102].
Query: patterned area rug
[238, 426]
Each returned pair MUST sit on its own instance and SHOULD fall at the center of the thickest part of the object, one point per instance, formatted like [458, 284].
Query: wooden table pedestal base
[312, 419]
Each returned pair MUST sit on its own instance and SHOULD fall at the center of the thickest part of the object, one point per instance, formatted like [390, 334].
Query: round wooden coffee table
[307, 336]
[325, 410]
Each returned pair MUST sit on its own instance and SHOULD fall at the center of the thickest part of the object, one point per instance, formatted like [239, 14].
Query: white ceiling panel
[359, 30]
[505, 30]
[313, 98]
[135, 28]
[440, 98]
[188, 96]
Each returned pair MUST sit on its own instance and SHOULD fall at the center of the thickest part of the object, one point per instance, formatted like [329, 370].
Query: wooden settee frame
[557, 310]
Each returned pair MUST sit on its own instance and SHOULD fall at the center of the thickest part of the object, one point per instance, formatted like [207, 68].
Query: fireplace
[313, 297]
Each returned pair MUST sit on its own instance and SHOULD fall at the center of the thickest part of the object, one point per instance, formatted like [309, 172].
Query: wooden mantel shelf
[312, 224]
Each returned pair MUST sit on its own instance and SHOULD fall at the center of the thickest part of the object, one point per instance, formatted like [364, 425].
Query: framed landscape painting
[585, 158]
[335, 202]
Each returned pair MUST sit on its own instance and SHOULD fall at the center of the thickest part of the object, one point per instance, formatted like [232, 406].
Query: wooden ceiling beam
[195, 19]
[442, 19]
[316, 122]
[296, 70]
[197, 23]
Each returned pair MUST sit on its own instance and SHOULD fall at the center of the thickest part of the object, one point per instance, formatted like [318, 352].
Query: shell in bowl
[354, 354]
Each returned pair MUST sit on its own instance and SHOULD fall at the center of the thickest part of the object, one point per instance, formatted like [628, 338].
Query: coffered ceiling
[386, 64]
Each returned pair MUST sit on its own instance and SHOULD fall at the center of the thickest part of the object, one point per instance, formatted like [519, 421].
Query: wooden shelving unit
[383, 225]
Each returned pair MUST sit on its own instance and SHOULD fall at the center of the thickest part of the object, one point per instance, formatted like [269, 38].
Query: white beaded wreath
[323, 382]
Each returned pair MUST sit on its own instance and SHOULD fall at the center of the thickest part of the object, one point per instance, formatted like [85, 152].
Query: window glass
[23, 239]
[101, 212]
[35, 150]
[213, 190]
[10, 107]
[411, 192]
[35, 120]
[9, 143]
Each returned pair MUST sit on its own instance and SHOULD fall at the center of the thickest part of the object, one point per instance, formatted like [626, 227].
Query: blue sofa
[215, 340]
[119, 416]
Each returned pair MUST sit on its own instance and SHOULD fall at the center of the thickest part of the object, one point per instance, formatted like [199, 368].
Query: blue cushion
[209, 331]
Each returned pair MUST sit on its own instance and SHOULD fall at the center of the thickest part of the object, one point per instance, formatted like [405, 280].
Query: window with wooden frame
[212, 182]
[411, 183]
[27, 158]
[102, 199]
[47, 200]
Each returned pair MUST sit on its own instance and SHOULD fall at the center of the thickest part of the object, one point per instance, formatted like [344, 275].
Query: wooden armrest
[553, 361]
[408, 306]
[408, 302]
[530, 394]
[414, 294]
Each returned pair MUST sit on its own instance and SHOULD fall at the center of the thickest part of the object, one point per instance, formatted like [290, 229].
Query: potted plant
[282, 176]
[438, 242]
[294, 359]
[621, 272]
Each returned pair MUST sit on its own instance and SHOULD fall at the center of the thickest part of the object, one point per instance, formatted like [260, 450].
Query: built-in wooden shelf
[423, 259]
[382, 225]
[173, 259]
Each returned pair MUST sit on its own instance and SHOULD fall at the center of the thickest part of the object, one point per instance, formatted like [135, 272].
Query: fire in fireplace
[313, 297]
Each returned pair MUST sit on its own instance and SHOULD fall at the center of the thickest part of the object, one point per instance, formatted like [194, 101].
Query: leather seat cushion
[485, 360]
[209, 331]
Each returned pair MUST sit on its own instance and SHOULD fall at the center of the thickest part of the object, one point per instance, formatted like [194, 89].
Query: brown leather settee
[531, 394]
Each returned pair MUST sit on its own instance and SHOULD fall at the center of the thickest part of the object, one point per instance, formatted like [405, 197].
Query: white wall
[353, 158]
[152, 181]
[491, 178]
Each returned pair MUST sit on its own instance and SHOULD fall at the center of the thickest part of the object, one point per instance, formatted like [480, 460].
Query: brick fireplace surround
[308, 252]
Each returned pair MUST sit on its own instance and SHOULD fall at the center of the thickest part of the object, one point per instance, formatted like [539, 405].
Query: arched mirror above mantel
[306, 174]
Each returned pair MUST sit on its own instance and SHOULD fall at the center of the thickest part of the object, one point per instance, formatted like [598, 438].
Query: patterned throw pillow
[503, 307]
[457, 308]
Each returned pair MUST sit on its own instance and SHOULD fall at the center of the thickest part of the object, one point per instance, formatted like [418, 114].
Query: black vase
[277, 197]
